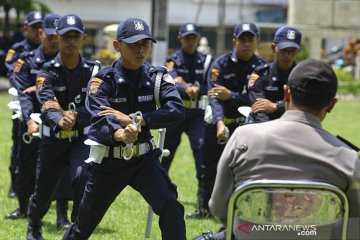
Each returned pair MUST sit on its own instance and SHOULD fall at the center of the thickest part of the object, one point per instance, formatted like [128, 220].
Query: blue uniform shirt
[267, 81]
[14, 53]
[55, 80]
[111, 87]
[24, 76]
[189, 67]
[233, 74]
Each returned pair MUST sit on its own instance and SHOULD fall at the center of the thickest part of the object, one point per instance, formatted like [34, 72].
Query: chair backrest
[301, 209]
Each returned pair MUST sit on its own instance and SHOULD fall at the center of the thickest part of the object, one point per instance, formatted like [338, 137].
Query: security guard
[32, 41]
[121, 154]
[62, 81]
[188, 67]
[24, 80]
[227, 80]
[266, 84]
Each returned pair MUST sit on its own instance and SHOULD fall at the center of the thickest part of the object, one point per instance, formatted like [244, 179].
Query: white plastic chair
[281, 204]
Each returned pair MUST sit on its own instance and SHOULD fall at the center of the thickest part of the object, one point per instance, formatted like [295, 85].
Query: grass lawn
[126, 219]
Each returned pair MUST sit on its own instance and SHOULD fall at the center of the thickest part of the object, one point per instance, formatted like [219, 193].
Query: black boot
[205, 236]
[34, 231]
[62, 221]
[199, 213]
[20, 212]
[12, 193]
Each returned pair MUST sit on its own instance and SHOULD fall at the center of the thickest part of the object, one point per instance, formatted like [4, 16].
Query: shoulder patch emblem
[169, 78]
[252, 80]
[18, 65]
[94, 86]
[170, 65]
[214, 74]
[9, 55]
[40, 84]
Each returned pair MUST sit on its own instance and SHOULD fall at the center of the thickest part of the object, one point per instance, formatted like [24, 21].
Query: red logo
[244, 228]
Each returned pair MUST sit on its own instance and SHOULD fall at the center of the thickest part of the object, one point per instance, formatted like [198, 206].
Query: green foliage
[303, 54]
[347, 84]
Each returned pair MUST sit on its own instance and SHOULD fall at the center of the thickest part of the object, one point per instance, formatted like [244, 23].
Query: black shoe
[62, 221]
[205, 236]
[16, 214]
[199, 213]
[12, 194]
[34, 232]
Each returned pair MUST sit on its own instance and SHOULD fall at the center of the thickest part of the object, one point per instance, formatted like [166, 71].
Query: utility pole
[220, 38]
[159, 31]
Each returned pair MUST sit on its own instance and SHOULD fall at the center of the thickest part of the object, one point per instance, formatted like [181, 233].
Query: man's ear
[179, 38]
[331, 105]
[84, 37]
[116, 45]
[273, 47]
[286, 93]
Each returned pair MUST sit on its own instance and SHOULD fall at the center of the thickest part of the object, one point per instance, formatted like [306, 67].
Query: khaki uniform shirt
[294, 147]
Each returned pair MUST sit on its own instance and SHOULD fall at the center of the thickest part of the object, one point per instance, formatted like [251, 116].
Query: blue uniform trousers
[212, 153]
[145, 175]
[14, 152]
[27, 157]
[55, 157]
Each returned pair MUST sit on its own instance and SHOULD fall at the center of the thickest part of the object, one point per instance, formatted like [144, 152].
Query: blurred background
[330, 27]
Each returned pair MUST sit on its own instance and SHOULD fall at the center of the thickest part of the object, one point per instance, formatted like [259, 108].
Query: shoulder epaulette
[92, 62]
[107, 71]
[50, 64]
[356, 148]
[262, 68]
[156, 69]
[27, 54]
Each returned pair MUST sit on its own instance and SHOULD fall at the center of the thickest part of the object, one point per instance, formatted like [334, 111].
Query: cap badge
[70, 20]
[37, 15]
[138, 25]
[56, 21]
[246, 27]
[290, 34]
[190, 27]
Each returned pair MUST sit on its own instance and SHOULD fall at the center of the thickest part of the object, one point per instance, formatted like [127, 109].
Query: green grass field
[126, 219]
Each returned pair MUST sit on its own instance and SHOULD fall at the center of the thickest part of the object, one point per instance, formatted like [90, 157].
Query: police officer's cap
[34, 17]
[50, 23]
[287, 37]
[70, 22]
[132, 30]
[189, 28]
[246, 27]
[313, 77]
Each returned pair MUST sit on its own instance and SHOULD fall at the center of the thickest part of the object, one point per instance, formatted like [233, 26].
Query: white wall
[103, 12]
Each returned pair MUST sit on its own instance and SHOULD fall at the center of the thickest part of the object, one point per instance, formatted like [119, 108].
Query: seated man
[294, 147]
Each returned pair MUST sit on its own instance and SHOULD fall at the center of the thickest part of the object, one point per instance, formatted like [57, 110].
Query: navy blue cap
[287, 37]
[70, 22]
[189, 28]
[132, 30]
[50, 23]
[246, 27]
[34, 17]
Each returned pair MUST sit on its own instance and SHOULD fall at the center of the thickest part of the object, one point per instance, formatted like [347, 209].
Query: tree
[23, 6]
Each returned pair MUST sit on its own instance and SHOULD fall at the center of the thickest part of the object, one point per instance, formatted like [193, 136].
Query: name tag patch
[146, 98]
[271, 88]
[118, 100]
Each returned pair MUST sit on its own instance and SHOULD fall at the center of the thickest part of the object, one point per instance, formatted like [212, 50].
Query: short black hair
[313, 84]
